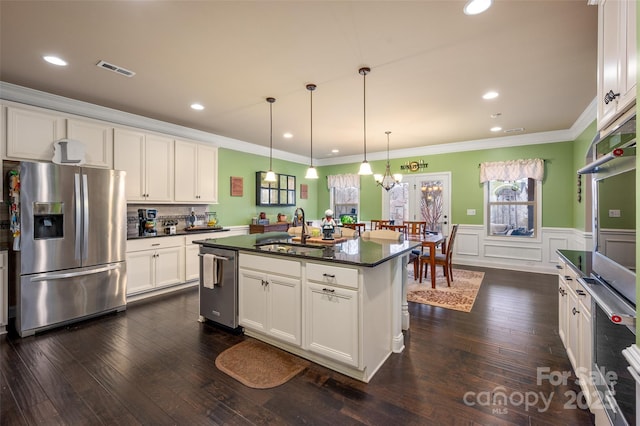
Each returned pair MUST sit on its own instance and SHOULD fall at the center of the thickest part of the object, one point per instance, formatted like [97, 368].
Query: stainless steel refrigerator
[71, 252]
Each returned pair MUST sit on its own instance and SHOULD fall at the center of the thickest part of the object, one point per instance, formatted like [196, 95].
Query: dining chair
[397, 228]
[376, 223]
[416, 227]
[444, 259]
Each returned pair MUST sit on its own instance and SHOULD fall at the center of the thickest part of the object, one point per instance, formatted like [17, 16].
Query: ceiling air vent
[515, 130]
[115, 68]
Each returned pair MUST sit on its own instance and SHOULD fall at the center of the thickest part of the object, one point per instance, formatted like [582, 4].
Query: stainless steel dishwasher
[219, 286]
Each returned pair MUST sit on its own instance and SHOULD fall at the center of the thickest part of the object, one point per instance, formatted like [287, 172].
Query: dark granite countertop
[357, 251]
[178, 233]
[579, 260]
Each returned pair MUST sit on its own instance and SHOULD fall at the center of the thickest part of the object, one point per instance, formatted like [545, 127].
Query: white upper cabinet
[97, 138]
[196, 168]
[148, 161]
[617, 58]
[31, 133]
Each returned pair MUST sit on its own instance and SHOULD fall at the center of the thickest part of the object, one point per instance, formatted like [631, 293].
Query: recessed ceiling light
[474, 7]
[197, 106]
[55, 60]
[335, 151]
[490, 95]
[287, 135]
[496, 129]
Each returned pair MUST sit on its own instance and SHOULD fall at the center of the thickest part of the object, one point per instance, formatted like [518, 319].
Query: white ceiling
[430, 65]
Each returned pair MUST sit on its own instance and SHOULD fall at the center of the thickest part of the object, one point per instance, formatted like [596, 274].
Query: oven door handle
[617, 311]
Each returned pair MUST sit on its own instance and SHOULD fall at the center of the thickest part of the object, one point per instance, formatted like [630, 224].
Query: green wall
[239, 210]
[562, 159]
[580, 150]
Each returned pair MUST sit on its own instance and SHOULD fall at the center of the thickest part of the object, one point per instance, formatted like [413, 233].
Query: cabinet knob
[328, 275]
[568, 278]
[329, 290]
[561, 291]
[558, 266]
[581, 292]
[575, 311]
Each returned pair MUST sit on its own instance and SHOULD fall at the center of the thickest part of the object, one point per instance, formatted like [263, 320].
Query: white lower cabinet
[269, 300]
[574, 317]
[332, 322]
[154, 263]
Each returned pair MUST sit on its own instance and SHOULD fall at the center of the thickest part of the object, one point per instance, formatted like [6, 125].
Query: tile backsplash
[173, 212]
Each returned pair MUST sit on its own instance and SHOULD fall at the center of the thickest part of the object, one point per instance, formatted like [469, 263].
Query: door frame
[413, 179]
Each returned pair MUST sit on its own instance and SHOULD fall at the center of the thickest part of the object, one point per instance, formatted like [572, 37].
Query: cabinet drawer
[584, 297]
[154, 243]
[270, 264]
[333, 275]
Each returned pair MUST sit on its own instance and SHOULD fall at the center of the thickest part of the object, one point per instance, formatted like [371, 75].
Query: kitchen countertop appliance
[147, 220]
[70, 253]
[219, 286]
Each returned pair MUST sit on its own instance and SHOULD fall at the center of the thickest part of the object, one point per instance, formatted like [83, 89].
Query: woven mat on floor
[460, 296]
[258, 365]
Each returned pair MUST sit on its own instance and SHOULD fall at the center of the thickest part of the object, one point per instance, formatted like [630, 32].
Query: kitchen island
[340, 305]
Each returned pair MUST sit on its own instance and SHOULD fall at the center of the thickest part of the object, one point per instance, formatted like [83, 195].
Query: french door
[423, 197]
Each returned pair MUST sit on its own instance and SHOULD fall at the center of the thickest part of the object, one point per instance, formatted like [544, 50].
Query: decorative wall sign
[414, 166]
[237, 186]
[304, 191]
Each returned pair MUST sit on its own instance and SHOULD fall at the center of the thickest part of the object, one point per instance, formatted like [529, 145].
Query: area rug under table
[259, 365]
[460, 296]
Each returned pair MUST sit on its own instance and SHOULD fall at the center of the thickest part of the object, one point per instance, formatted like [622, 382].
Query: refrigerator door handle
[85, 217]
[59, 276]
[78, 213]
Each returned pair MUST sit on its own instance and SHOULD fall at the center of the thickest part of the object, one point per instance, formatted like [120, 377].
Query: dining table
[431, 241]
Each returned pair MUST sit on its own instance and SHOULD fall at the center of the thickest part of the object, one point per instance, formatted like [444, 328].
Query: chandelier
[388, 180]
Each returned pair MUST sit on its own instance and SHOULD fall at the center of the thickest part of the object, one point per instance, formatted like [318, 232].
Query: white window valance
[512, 170]
[343, 181]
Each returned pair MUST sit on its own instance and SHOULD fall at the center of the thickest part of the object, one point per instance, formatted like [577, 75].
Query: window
[345, 195]
[513, 194]
[512, 207]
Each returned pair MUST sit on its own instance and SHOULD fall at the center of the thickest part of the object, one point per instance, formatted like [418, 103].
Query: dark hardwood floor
[154, 365]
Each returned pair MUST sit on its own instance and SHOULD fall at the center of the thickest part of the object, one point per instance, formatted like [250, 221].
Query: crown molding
[28, 96]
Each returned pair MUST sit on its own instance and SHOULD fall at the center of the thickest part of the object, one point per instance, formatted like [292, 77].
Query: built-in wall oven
[612, 284]
[613, 322]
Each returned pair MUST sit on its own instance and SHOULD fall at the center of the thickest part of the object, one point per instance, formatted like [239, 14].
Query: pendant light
[388, 181]
[365, 167]
[270, 177]
[312, 173]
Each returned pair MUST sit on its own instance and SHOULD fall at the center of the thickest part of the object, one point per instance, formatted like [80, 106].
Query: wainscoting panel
[513, 251]
[619, 244]
[467, 243]
[472, 247]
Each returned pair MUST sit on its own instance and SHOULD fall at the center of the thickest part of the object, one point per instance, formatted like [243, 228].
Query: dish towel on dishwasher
[209, 270]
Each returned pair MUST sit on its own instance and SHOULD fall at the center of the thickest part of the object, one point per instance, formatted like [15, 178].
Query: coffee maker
[147, 222]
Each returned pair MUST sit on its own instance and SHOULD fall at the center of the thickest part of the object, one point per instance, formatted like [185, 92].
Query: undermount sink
[290, 248]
